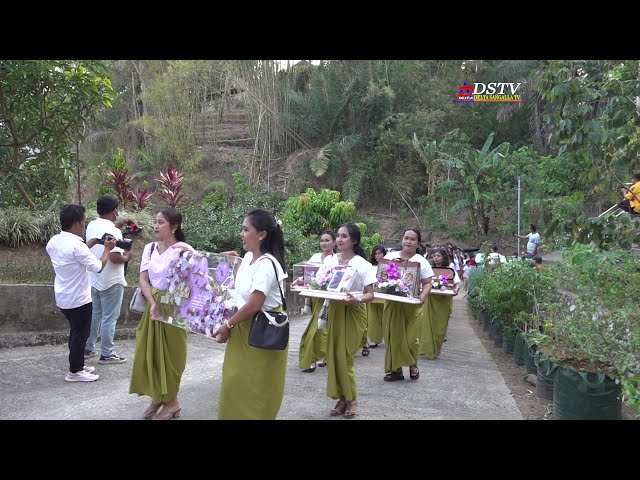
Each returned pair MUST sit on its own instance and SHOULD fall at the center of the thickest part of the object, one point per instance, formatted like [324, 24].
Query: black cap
[107, 204]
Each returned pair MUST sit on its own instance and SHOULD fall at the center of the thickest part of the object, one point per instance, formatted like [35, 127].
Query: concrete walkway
[463, 384]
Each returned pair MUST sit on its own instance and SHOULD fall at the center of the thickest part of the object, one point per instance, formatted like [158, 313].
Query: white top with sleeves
[317, 258]
[259, 276]
[72, 261]
[365, 274]
[425, 266]
[158, 265]
[112, 273]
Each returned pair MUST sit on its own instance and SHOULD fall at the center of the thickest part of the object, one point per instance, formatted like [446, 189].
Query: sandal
[151, 410]
[365, 351]
[352, 409]
[373, 345]
[322, 363]
[393, 377]
[167, 414]
[414, 372]
[340, 408]
[312, 368]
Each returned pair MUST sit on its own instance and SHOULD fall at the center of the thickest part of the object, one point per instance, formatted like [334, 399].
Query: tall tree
[43, 105]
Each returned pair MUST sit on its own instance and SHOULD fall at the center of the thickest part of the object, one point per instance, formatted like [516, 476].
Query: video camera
[125, 243]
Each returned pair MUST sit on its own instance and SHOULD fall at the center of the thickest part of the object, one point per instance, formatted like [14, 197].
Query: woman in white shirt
[347, 323]
[161, 348]
[253, 378]
[313, 344]
[374, 310]
[434, 323]
[401, 321]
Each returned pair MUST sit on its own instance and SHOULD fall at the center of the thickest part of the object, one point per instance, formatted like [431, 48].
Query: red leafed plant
[141, 198]
[171, 186]
[120, 181]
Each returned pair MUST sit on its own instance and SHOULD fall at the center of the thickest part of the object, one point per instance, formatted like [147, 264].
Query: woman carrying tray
[347, 323]
[374, 310]
[313, 344]
[435, 318]
[401, 321]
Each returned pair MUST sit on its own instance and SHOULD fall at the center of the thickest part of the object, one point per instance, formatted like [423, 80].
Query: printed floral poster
[398, 281]
[201, 291]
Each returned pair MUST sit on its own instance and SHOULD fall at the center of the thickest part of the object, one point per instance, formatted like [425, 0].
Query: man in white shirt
[72, 260]
[533, 242]
[107, 287]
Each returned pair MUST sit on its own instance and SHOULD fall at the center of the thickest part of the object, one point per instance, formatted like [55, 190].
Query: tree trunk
[538, 131]
[25, 195]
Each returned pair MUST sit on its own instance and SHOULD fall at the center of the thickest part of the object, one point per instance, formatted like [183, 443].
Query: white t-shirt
[425, 266]
[113, 273]
[317, 258]
[534, 239]
[259, 276]
[365, 275]
[72, 261]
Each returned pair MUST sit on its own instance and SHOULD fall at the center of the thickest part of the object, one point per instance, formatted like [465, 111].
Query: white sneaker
[81, 376]
[89, 369]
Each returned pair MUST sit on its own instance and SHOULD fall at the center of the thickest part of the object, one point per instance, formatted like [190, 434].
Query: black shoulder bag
[270, 330]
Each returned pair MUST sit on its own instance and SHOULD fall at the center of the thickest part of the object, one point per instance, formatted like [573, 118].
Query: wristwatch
[229, 326]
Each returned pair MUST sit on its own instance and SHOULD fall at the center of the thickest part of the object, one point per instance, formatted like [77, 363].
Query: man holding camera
[72, 260]
[107, 287]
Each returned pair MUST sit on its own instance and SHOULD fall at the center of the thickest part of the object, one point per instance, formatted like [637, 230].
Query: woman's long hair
[354, 235]
[264, 221]
[377, 248]
[174, 218]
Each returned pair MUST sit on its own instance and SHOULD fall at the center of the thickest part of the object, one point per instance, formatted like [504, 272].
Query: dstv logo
[489, 92]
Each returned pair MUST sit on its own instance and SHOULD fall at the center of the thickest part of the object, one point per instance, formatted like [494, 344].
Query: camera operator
[72, 260]
[107, 287]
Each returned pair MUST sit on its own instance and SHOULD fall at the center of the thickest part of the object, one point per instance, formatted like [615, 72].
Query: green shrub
[461, 234]
[19, 227]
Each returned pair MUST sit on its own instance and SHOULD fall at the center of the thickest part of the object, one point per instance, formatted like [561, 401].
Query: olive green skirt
[252, 379]
[313, 344]
[347, 324]
[401, 328]
[160, 357]
[434, 323]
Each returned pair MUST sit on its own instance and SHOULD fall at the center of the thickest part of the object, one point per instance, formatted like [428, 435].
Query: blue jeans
[106, 310]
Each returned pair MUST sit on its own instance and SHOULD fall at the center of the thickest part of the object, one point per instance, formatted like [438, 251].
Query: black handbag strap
[284, 302]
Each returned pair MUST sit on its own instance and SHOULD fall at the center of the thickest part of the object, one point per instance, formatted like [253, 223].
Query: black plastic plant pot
[585, 396]
[530, 365]
[486, 322]
[519, 353]
[509, 340]
[544, 383]
[497, 336]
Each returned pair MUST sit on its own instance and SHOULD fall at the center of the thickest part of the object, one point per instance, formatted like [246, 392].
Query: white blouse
[259, 276]
[317, 258]
[157, 265]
